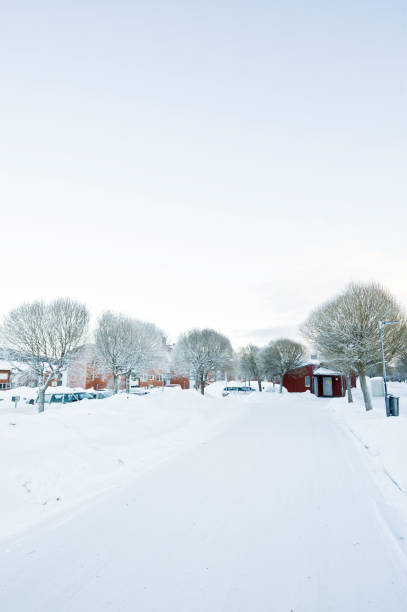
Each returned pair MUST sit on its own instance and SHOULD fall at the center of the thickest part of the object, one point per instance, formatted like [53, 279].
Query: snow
[74, 451]
[326, 372]
[382, 443]
[176, 502]
[312, 362]
[12, 365]
[5, 365]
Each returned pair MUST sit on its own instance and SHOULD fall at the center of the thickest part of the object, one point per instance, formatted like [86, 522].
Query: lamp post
[381, 325]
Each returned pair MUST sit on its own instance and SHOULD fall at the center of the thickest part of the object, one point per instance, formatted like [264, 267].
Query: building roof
[13, 365]
[326, 372]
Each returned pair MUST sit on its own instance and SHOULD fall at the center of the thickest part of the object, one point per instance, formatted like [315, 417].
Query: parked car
[99, 394]
[59, 398]
[84, 395]
[137, 391]
[240, 389]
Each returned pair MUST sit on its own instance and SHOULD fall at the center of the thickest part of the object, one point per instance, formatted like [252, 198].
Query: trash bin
[388, 406]
[394, 405]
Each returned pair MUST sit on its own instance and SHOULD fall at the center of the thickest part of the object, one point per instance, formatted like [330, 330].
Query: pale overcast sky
[226, 164]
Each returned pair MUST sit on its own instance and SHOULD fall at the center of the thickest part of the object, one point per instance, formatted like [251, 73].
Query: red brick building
[89, 372]
[5, 375]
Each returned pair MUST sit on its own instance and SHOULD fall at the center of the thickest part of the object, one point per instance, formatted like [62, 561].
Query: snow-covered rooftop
[5, 365]
[326, 372]
[13, 365]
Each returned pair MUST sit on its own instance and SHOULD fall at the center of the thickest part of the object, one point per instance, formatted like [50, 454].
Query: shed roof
[326, 372]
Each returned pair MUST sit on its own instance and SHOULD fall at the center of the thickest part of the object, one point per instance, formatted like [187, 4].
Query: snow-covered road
[277, 513]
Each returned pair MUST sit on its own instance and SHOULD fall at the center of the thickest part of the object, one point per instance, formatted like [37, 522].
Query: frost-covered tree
[112, 342]
[251, 363]
[145, 350]
[199, 353]
[282, 355]
[128, 346]
[48, 335]
[400, 366]
[345, 330]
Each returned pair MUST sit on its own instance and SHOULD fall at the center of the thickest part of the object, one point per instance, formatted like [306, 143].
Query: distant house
[16, 374]
[89, 372]
[5, 374]
[317, 379]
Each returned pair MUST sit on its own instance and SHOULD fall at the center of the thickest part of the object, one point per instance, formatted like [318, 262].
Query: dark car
[84, 395]
[59, 398]
[100, 394]
[239, 389]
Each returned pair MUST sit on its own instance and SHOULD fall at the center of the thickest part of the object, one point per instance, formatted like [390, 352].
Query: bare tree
[337, 355]
[400, 367]
[48, 335]
[199, 353]
[251, 363]
[145, 350]
[128, 346]
[283, 355]
[112, 342]
[345, 330]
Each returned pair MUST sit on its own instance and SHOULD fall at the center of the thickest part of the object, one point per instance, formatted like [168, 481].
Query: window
[151, 377]
[3, 375]
[159, 377]
[308, 381]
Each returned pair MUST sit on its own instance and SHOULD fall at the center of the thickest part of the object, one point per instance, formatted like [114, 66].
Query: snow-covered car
[84, 395]
[60, 398]
[240, 389]
[139, 391]
[99, 394]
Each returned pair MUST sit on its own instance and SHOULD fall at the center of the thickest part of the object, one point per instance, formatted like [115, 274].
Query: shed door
[327, 386]
[316, 389]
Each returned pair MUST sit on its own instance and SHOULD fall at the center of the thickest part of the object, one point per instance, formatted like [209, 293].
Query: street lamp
[381, 325]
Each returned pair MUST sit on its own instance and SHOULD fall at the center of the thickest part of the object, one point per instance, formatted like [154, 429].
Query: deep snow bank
[382, 442]
[54, 460]
[383, 437]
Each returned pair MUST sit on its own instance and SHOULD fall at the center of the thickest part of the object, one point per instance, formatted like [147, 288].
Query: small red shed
[321, 381]
[330, 383]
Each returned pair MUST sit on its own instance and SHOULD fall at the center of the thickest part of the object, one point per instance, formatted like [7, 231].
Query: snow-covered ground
[173, 502]
[383, 437]
[382, 443]
[69, 453]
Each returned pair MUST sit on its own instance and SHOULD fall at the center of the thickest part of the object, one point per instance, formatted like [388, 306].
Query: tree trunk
[365, 390]
[273, 380]
[115, 383]
[259, 383]
[281, 382]
[41, 396]
[128, 382]
[349, 388]
[41, 392]
[202, 386]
